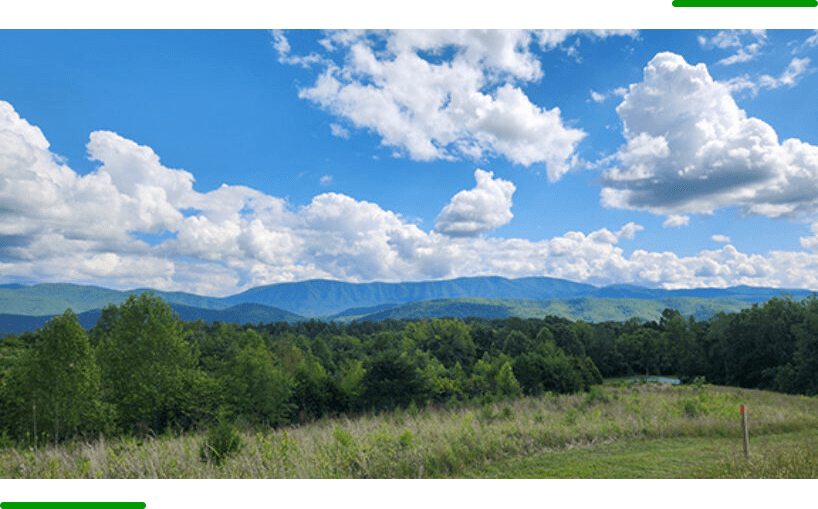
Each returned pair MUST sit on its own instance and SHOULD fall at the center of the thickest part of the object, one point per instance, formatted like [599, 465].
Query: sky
[213, 161]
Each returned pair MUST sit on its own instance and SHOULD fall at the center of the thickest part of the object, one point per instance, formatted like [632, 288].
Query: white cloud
[597, 97]
[721, 238]
[730, 39]
[676, 221]
[326, 180]
[478, 210]
[629, 231]
[811, 243]
[282, 47]
[339, 131]
[790, 76]
[446, 94]
[87, 229]
[812, 40]
[691, 149]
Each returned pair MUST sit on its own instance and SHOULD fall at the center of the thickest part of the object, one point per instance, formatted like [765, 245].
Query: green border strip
[745, 3]
[72, 505]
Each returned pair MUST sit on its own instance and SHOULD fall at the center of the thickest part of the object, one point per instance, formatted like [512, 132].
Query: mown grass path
[666, 458]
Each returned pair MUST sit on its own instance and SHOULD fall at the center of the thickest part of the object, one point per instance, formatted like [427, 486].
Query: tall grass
[432, 443]
[790, 461]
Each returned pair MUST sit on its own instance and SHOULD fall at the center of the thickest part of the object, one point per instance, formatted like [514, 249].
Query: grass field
[622, 430]
[668, 458]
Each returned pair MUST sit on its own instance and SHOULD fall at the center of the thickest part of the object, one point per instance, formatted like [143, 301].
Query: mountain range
[25, 307]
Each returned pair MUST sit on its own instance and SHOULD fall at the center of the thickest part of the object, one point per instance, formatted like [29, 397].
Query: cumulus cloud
[721, 238]
[691, 149]
[676, 221]
[811, 243]
[479, 210]
[629, 231]
[445, 94]
[59, 226]
[601, 97]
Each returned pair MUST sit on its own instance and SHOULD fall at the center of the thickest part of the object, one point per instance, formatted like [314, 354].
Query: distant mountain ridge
[241, 313]
[317, 298]
[326, 299]
[588, 309]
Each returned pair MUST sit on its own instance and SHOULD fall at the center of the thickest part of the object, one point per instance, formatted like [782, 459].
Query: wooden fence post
[744, 432]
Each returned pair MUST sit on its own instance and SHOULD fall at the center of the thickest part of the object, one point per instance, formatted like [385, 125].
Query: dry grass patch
[435, 442]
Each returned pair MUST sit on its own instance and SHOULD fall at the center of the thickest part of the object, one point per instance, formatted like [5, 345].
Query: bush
[595, 394]
[692, 407]
[222, 441]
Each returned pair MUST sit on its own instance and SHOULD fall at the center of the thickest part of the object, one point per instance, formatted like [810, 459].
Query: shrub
[692, 407]
[595, 394]
[406, 439]
[506, 413]
[221, 441]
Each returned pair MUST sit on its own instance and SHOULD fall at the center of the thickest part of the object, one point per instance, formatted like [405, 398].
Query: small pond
[674, 381]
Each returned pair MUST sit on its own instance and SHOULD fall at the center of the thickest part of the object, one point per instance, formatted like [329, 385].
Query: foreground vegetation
[409, 398]
[518, 436]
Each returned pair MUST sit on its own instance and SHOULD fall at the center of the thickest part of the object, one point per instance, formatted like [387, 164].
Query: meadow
[619, 430]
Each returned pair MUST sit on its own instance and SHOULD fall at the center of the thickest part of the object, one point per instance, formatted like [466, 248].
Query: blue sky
[214, 161]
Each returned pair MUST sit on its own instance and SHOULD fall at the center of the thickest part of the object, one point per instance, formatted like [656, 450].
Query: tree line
[142, 370]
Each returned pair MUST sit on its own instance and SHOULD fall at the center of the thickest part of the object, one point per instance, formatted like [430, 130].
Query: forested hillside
[142, 369]
[587, 309]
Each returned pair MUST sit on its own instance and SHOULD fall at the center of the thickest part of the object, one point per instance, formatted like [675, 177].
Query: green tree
[566, 337]
[517, 343]
[55, 386]
[529, 370]
[642, 350]
[148, 369]
[314, 392]
[482, 379]
[254, 387]
[485, 338]
[507, 384]
[349, 380]
[686, 355]
[550, 369]
[585, 336]
[718, 368]
[756, 342]
[603, 350]
[800, 375]
[392, 379]
[448, 340]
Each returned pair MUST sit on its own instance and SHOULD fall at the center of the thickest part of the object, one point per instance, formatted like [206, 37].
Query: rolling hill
[319, 298]
[241, 313]
[22, 307]
[587, 309]
[54, 298]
